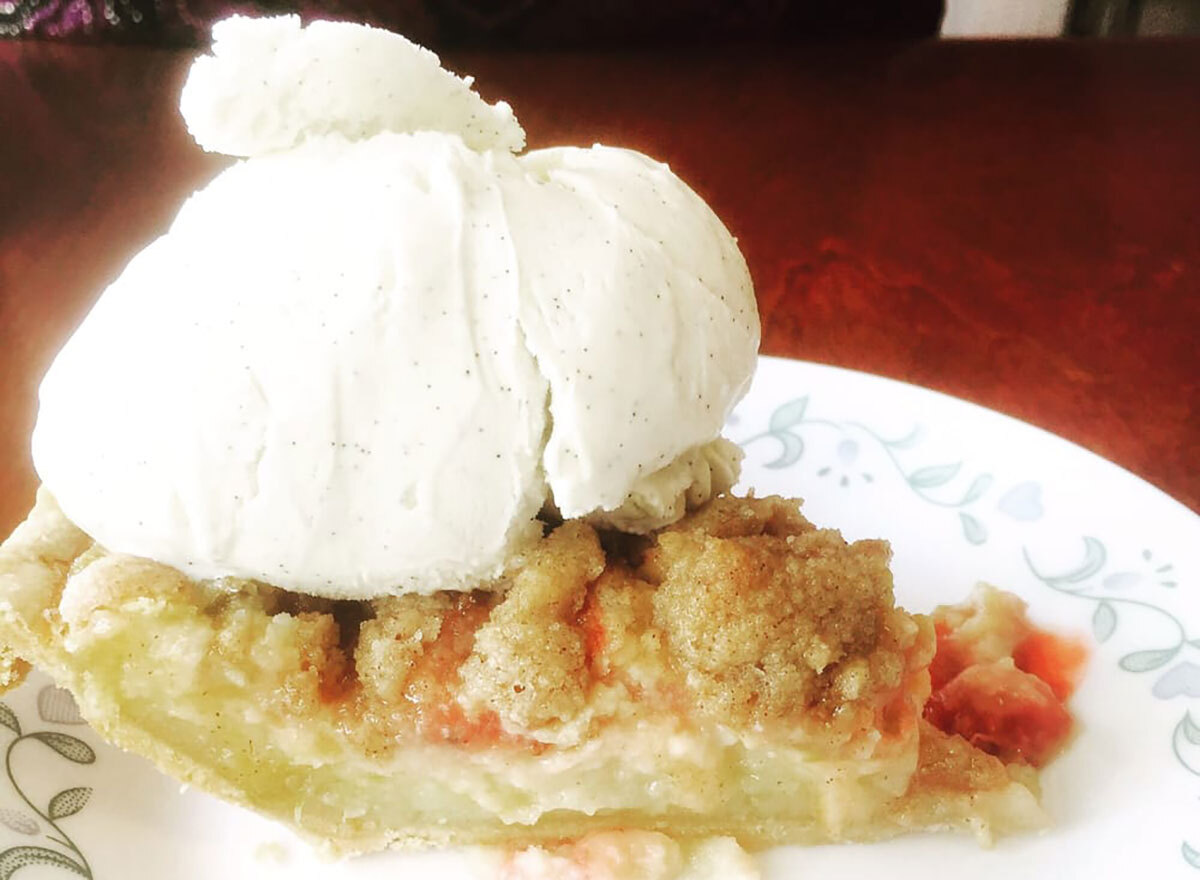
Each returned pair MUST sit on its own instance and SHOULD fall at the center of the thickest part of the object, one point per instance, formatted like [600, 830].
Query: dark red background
[1013, 223]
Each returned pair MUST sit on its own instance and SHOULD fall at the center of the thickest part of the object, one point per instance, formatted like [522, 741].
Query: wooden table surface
[1017, 224]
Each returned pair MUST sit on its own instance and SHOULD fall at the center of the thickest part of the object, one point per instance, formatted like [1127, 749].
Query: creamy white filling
[360, 365]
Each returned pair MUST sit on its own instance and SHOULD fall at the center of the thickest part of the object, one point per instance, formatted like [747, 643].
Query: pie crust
[741, 673]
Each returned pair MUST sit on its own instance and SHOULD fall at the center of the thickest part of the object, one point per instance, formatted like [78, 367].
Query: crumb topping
[392, 644]
[742, 611]
[620, 636]
[769, 616]
[529, 660]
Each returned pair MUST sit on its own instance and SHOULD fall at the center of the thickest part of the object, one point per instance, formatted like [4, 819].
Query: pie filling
[741, 673]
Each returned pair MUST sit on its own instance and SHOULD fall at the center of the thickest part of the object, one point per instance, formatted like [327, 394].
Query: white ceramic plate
[963, 493]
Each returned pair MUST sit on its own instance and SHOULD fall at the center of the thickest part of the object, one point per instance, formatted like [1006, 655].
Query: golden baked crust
[768, 654]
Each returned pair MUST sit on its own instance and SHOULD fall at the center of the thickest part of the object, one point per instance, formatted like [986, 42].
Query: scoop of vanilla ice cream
[647, 332]
[362, 360]
[316, 378]
[271, 83]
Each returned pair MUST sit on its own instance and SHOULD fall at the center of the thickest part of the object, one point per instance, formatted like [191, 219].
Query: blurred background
[574, 23]
[1011, 218]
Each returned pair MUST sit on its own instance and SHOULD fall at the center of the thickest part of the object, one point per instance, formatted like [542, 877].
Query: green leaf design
[71, 748]
[1104, 621]
[1144, 661]
[1189, 729]
[788, 415]
[9, 719]
[1094, 557]
[1186, 733]
[1191, 856]
[908, 441]
[934, 475]
[18, 857]
[973, 530]
[68, 802]
[978, 486]
[793, 448]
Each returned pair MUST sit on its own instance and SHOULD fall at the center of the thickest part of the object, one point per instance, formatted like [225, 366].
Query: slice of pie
[740, 673]
[419, 517]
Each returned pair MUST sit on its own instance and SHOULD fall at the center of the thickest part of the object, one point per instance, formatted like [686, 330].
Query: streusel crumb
[744, 610]
[529, 663]
[769, 616]
[391, 645]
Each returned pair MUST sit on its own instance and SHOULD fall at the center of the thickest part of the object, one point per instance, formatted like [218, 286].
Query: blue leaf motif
[1180, 680]
[788, 415]
[1104, 621]
[1023, 502]
[973, 530]
[1191, 856]
[1121, 580]
[980, 485]
[793, 448]
[934, 475]
[1144, 661]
